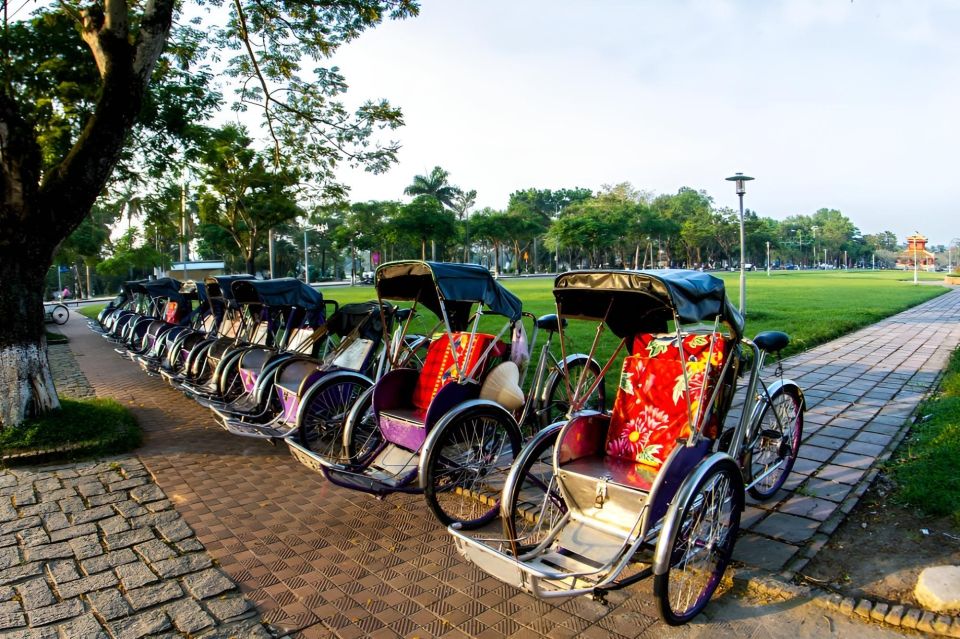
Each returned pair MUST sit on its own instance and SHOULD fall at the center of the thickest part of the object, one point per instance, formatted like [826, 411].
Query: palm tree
[462, 203]
[435, 184]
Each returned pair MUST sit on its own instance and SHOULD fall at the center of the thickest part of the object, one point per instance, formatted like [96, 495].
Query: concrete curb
[890, 614]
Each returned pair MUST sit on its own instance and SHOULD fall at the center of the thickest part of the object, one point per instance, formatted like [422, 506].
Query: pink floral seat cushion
[439, 368]
[651, 411]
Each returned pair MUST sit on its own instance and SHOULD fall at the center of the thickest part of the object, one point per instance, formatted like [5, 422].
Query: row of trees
[240, 197]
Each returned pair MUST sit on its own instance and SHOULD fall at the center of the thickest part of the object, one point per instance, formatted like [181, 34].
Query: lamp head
[741, 181]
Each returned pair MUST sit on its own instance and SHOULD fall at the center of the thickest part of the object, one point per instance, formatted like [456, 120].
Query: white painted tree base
[26, 383]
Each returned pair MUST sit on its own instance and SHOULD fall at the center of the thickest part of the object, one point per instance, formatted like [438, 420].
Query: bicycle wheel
[414, 352]
[60, 314]
[776, 442]
[322, 412]
[467, 465]
[701, 544]
[555, 402]
[532, 503]
[361, 432]
[230, 386]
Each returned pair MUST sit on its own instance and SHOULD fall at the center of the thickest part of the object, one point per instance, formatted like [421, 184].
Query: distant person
[65, 294]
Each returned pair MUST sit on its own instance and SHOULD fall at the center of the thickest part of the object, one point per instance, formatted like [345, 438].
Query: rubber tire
[531, 491]
[318, 413]
[789, 454]
[60, 314]
[661, 583]
[441, 462]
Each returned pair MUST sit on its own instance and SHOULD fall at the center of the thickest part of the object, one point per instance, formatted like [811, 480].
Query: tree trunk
[28, 388]
[423, 249]
[38, 210]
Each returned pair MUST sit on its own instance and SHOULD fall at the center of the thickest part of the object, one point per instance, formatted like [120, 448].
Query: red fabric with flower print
[438, 369]
[650, 412]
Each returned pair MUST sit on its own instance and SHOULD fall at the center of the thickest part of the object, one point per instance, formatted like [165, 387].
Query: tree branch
[92, 18]
[245, 36]
[19, 162]
[154, 31]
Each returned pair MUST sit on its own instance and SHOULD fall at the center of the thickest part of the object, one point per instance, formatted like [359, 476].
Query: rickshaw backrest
[439, 369]
[170, 312]
[651, 411]
[299, 339]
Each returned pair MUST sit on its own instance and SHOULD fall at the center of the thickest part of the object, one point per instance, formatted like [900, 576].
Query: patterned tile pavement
[321, 561]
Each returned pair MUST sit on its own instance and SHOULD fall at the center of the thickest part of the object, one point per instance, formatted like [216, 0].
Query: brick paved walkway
[96, 546]
[322, 561]
[860, 390]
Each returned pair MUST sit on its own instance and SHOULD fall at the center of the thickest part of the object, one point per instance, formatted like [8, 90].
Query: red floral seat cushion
[650, 412]
[439, 369]
[170, 313]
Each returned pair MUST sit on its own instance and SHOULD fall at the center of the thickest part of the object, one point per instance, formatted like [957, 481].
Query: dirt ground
[880, 549]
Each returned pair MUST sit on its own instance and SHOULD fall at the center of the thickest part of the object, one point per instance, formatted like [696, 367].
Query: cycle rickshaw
[451, 429]
[284, 315]
[187, 359]
[598, 502]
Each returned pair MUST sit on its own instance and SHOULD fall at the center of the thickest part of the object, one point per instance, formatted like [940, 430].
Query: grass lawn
[87, 427]
[91, 310]
[925, 466]
[812, 307]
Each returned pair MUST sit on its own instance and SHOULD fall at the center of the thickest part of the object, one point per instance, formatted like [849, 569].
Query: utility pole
[183, 225]
[270, 250]
[306, 259]
[768, 259]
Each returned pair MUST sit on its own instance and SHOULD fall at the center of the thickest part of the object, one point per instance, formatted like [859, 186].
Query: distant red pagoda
[916, 250]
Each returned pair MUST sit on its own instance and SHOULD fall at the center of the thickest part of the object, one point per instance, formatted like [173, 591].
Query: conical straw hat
[503, 386]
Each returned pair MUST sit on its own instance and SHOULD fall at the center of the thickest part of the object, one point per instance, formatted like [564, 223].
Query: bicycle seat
[550, 323]
[402, 314]
[771, 341]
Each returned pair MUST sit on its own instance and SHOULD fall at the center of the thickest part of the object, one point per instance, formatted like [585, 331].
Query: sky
[827, 103]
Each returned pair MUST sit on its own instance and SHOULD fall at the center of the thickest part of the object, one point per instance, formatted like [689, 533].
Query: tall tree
[56, 160]
[242, 193]
[435, 184]
[548, 204]
[462, 203]
[425, 219]
[490, 226]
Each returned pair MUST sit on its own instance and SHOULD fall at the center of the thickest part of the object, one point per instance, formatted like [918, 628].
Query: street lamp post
[800, 237]
[768, 259]
[814, 228]
[741, 180]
